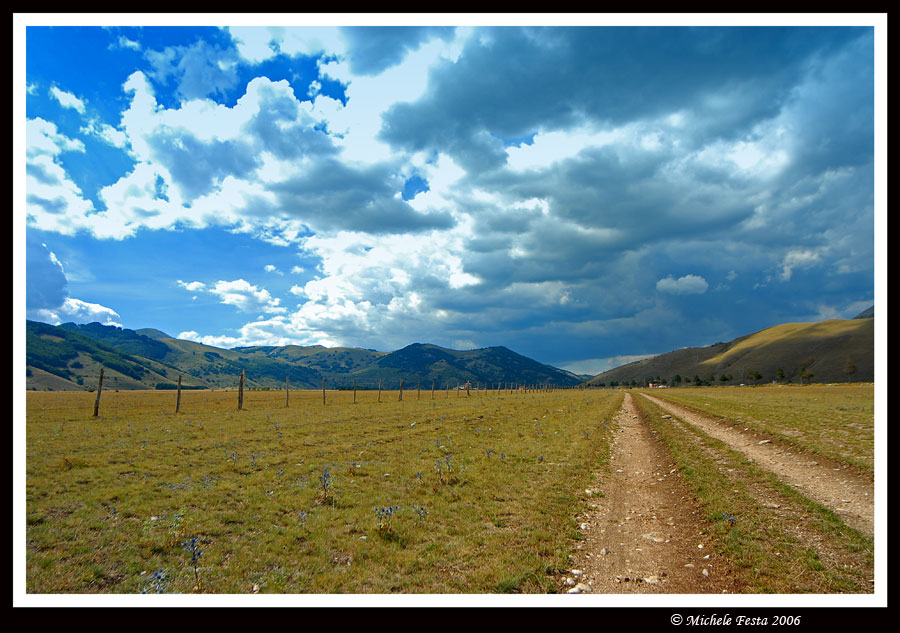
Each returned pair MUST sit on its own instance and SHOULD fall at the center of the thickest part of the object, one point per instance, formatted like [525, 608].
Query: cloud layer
[495, 185]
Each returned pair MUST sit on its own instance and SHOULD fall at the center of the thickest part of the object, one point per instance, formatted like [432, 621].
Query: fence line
[480, 389]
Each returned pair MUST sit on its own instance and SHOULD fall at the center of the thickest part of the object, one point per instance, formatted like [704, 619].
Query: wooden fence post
[323, 392]
[354, 391]
[241, 392]
[432, 390]
[287, 391]
[419, 390]
[97, 401]
[379, 389]
[401, 390]
[178, 398]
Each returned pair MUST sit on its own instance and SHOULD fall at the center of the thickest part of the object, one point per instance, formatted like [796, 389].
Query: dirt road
[644, 533]
[834, 486]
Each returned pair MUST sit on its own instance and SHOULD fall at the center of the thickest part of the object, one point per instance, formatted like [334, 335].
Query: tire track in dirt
[645, 533]
[832, 485]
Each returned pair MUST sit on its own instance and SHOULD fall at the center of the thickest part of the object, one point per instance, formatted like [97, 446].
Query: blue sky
[584, 196]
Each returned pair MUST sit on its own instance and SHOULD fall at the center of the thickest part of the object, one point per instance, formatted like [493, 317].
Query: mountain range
[69, 357]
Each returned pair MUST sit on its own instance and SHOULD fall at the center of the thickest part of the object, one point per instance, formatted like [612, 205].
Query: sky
[583, 195]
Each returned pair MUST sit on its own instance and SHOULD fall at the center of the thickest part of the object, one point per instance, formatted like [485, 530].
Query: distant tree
[677, 379]
[849, 368]
[805, 374]
[697, 380]
[754, 375]
[779, 374]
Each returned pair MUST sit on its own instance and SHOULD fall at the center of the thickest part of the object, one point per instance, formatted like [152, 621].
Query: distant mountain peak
[150, 332]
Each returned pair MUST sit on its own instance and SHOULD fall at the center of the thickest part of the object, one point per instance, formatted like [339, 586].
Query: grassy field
[453, 494]
[835, 421]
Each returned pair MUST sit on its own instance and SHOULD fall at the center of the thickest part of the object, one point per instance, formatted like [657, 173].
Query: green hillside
[221, 368]
[123, 340]
[152, 333]
[446, 367]
[148, 359]
[74, 354]
[329, 362]
[791, 352]
[60, 358]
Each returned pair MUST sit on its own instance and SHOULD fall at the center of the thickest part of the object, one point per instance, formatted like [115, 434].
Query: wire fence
[383, 389]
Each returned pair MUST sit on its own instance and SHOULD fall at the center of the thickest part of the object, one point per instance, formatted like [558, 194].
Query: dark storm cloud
[835, 110]
[198, 166]
[280, 129]
[599, 205]
[511, 81]
[331, 195]
[46, 284]
[374, 49]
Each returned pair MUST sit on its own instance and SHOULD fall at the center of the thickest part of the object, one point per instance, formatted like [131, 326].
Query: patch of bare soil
[645, 533]
[835, 486]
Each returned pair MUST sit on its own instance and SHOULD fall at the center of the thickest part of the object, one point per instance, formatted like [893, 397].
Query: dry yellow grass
[485, 489]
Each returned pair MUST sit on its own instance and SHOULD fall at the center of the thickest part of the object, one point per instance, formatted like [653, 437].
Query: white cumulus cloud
[80, 312]
[798, 258]
[67, 99]
[193, 286]
[687, 285]
[246, 297]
